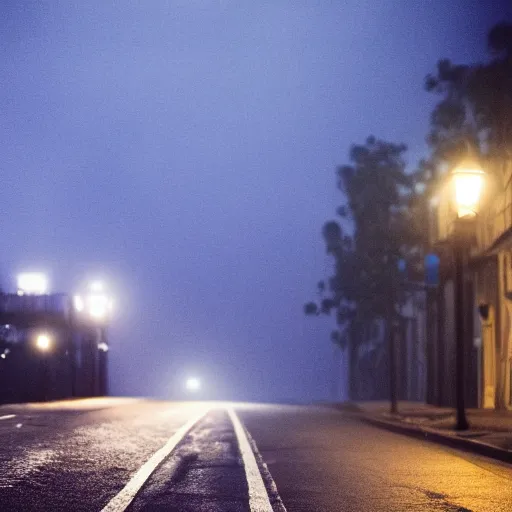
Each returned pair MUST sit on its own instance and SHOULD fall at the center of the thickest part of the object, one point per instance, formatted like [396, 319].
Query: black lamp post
[468, 180]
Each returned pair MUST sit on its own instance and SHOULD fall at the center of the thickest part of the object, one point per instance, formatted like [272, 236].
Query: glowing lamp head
[96, 286]
[95, 304]
[43, 342]
[32, 283]
[193, 384]
[98, 306]
[79, 303]
[468, 181]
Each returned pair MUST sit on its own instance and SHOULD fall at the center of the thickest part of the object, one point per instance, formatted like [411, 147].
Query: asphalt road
[117, 455]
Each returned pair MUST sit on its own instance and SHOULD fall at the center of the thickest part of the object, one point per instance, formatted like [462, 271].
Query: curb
[434, 436]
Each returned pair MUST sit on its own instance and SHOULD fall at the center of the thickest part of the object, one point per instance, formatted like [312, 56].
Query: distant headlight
[193, 384]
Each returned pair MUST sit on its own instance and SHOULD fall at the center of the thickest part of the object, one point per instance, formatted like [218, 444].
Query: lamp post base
[462, 424]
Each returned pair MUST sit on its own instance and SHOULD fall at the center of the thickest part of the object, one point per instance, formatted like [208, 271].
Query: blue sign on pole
[432, 269]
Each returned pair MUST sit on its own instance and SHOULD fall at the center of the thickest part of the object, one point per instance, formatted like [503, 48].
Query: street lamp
[193, 384]
[43, 342]
[78, 302]
[96, 305]
[468, 181]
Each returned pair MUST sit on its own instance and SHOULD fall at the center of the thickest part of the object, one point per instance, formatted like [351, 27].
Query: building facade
[69, 363]
[488, 299]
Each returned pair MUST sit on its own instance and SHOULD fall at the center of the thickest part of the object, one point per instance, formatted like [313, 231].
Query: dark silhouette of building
[47, 351]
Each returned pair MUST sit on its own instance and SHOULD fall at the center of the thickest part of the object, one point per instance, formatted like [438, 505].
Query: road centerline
[121, 501]
[258, 496]
[7, 416]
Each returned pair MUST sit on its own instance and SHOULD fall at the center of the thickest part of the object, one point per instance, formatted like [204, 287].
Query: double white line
[258, 497]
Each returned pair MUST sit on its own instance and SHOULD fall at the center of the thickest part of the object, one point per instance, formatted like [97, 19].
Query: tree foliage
[367, 278]
[472, 118]
[366, 270]
[475, 106]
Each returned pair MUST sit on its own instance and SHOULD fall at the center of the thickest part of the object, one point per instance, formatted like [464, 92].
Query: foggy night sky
[185, 152]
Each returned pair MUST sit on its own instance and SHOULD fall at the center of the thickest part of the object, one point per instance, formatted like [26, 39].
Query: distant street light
[468, 181]
[78, 302]
[96, 304]
[43, 342]
[32, 283]
[193, 384]
[96, 286]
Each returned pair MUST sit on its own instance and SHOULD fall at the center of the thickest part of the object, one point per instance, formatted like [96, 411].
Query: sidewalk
[74, 404]
[490, 431]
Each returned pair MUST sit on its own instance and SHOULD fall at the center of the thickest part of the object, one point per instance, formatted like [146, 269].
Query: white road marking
[7, 416]
[122, 500]
[258, 497]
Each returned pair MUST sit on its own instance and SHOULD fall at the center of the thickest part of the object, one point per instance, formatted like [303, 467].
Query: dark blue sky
[185, 152]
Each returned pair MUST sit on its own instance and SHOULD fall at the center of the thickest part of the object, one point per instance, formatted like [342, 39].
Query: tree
[366, 284]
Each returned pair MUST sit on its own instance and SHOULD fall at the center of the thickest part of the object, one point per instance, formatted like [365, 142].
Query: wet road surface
[142, 455]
